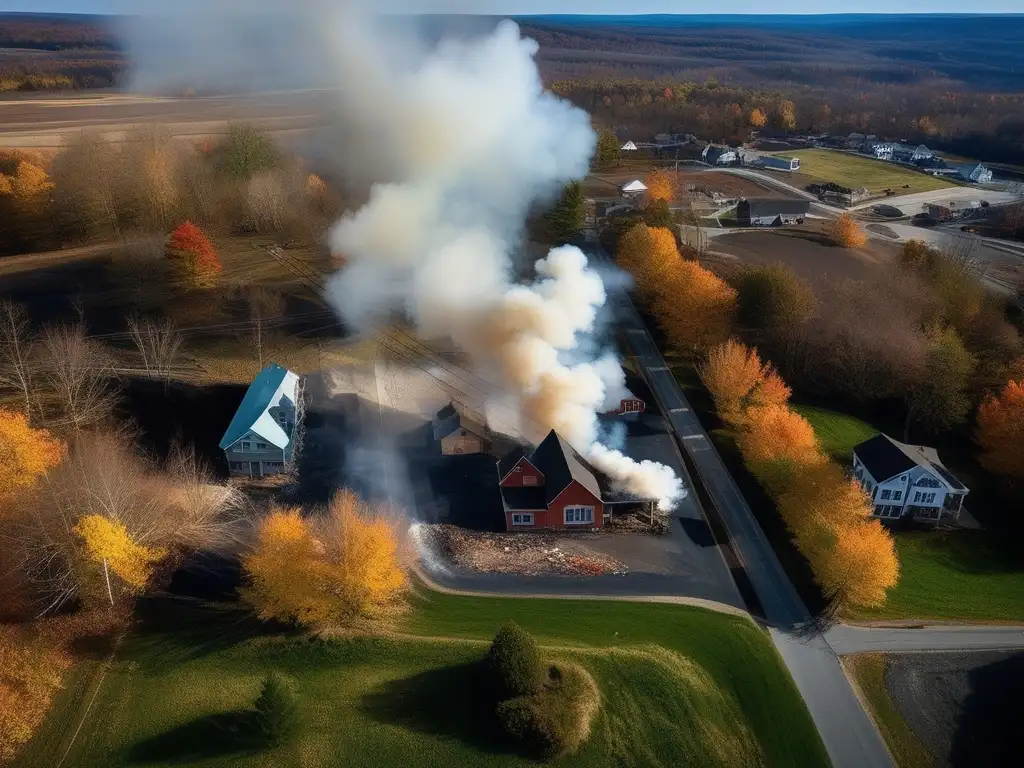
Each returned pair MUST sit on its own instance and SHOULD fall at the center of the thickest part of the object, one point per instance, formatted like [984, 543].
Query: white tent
[629, 146]
[634, 186]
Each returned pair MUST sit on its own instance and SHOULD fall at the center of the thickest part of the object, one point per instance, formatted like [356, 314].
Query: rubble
[538, 553]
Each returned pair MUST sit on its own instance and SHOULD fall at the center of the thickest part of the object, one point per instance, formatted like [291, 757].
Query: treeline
[986, 125]
[56, 32]
[149, 182]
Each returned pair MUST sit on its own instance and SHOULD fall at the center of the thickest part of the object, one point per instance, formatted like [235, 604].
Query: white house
[713, 154]
[907, 481]
[629, 146]
[634, 188]
[259, 439]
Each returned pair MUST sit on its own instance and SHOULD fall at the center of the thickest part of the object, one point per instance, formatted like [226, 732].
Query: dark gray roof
[454, 417]
[525, 499]
[882, 458]
[509, 460]
[561, 465]
[774, 207]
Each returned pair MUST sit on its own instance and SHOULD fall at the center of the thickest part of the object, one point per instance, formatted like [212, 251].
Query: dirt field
[854, 171]
[728, 185]
[804, 251]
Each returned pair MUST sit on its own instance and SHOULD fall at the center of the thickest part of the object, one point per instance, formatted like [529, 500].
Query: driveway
[844, 639]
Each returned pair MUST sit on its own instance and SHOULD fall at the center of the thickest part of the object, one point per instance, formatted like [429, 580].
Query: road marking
[636, 330]
[658, 368]
[677, 410]
[693, 437]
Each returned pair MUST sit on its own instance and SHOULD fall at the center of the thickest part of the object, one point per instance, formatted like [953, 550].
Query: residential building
[714, 154]
[555, 487]
[634, 188]
[907, 481]
[259, 440]
[854, 140]
[459, 431]
[975, 173]
[771, 212]
[780, 162]
[629, 146]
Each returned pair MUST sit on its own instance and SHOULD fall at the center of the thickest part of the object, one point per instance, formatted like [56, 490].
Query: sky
[522, 7]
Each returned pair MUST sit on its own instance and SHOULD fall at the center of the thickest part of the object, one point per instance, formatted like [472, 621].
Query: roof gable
[561, 465]
[634, 186]
[269, 389]
[454, 417]
[886, 458]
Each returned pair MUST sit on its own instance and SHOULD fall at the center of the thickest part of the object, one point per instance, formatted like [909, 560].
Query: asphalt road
[845, 639]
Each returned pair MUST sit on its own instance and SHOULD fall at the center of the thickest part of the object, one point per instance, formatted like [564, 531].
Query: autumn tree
[194, 255]
[778, 433]
[1000, 432]
[340, 568]
[736, 378]
[661, 185]
[108, 545]
[248, 151]
[25, 455]
[694, 307]
[87, 173]
[772, 298]
[937, 400]
[608, 149]
[649, 254]
[845, 232]
[152, 190]
[784, 115]
[862, 566]
[31, 184]
[757, 119]
[566, 217]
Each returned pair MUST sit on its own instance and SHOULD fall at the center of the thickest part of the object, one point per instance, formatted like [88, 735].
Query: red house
[629, 406]
[553, 487]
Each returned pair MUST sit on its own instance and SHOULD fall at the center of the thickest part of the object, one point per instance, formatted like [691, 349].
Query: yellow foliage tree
[6, 188]
[107, 543]
[845, 232]
[1001, 431]
[770, 390]
[778, 433]
[694, 307]
[30, 182]
[862, 566]
[25, 454]
[661, 185]
[343, 567]
[757, 119]
[736, 378]
[649, 254]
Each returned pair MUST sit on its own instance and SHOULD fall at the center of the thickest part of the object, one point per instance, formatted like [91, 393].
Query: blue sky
[589, 6]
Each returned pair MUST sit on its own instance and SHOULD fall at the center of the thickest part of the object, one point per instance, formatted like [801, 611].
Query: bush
[277, 710]
[514, 659]
[555, 720]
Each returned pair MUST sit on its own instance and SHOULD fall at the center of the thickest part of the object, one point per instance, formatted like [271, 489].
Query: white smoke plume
[470, 140]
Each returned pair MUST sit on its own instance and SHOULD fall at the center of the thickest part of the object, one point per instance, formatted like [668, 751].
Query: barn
[771, 212]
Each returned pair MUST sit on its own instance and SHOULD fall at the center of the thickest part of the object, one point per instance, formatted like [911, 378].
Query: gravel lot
[968, 707]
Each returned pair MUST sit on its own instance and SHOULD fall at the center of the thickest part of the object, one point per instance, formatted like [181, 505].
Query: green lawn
[868, 670]
[837, 432]
[856, 171]
[680, 686]
[957, 575]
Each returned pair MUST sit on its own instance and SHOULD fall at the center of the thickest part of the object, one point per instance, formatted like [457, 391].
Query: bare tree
[16, 345]
[264, 306]
[204, 515]
[78, 373]
[158, 345]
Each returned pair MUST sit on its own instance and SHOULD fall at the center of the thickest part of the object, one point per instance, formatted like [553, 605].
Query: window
[529, 479]
[887, 510]
[929, 498]
[522, 518]
[246, 445]
[579, 515]
[886, 494]
[897, 495]
[261, 446]
[917, 496]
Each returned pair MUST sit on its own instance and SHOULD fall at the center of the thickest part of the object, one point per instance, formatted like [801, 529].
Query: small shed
[629, 146]
[459, 431]
[633, 188]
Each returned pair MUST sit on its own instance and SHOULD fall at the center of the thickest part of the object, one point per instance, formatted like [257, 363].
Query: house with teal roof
[259, 441]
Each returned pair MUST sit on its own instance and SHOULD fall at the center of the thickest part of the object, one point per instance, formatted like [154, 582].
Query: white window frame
[583, 512]
[897, 495]
[918, 495]
[525, 518]
[891, 511]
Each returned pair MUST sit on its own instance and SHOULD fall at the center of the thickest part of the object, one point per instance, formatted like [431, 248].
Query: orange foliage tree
[25, 454]
[661, 185]
[862, 566]
[649, 254]
[778, 433]
[1000, 431]
[339, 568]
[845, 232]
[30, 182]
[737, 379]
[695, 308]
[757, 118]
[195, 255]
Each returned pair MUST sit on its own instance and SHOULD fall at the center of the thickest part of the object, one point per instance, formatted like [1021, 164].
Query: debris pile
[537, 553]
[639, 522]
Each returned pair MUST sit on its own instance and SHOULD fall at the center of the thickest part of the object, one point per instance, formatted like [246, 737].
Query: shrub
[277, 710]
[514, 658]
[195, 255]
[845, 232]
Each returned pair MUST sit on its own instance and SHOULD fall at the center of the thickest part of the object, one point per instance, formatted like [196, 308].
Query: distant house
[882, 150]
[976, 173]
[259, 439]
[458, 431]
[555, 487]
[633, 188]
[629, 146]
[854, 140]
[714, 154]
[629, 406]
[781, 163]
[953, 210]
[907, 481]
[771, 212]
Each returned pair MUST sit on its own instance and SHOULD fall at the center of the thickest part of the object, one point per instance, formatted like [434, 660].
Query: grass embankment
[868, 671]
[953, 575]
[679, 686]
[856, 171]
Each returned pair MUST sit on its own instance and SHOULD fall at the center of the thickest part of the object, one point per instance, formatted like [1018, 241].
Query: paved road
[845, 639]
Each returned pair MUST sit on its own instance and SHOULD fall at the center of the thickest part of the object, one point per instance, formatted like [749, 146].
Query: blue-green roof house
[260, 439]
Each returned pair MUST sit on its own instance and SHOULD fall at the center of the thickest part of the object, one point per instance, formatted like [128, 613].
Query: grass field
[855, 171]
[956, 575]
[680, 686]
[868, 671]
[837, 432]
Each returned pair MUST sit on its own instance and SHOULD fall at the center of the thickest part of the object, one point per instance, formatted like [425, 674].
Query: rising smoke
[473, 140]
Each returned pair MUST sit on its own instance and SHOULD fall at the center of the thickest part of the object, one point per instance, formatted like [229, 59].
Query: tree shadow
[204, 738]
[454, 701]
[988, 731]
